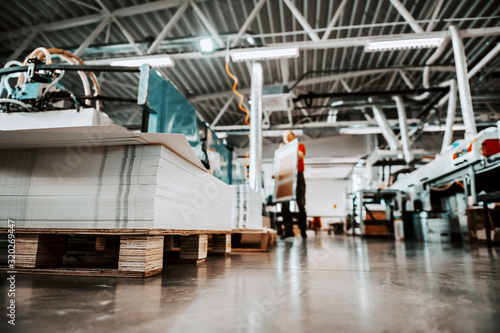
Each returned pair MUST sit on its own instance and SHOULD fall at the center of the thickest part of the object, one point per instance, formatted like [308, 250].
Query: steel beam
[302, 20]
[81, 3]
[208, 25]
[463, 82]
[338, 43]
[486, 59]
[406, 79]
[345, 85]
[168, 27]
[92, 37]
[312, 125]
[437, 9]
[407, 16]
[333, 21]
[305, 82]
[24, 45]
[94, 18]
[248, 21]
[123, 29]
[222, 111]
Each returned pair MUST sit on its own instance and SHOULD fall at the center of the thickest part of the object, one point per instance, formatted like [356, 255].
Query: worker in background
[288, 136]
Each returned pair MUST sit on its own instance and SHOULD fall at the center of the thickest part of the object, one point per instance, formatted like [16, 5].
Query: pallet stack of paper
[92, 185]
[247, 208]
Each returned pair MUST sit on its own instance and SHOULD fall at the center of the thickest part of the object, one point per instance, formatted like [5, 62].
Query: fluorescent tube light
[290, 52]
[442, 128]
[163, 61]
[390, 45]
[206, 45]
[360, 131]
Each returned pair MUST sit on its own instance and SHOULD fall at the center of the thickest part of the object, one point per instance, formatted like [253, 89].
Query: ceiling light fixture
[278, 53]
[403, 44]
[442, 128]
[163, 61]
[206, 45]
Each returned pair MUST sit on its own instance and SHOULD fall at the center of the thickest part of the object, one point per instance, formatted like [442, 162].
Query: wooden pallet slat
[250, 240]
[134, 253]
[221, 243]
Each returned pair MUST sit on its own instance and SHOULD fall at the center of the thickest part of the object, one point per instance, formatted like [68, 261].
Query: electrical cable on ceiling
[242, 98]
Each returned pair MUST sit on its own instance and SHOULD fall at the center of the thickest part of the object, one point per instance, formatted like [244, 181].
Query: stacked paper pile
[110, 187]
[247, 208]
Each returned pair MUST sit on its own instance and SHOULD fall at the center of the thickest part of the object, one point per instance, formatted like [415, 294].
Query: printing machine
[39, 99]
[450, 183]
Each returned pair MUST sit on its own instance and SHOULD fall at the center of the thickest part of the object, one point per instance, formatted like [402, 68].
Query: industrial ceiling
[333, 71]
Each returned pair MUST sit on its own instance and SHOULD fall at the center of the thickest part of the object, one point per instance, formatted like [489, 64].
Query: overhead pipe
[427, 70]
[403, 128]
[311, 95]
[463, 82]
[256, 127]
[386, 129]
[450, 116]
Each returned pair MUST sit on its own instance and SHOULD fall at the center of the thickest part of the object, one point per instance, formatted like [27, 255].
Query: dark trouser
[301, 202]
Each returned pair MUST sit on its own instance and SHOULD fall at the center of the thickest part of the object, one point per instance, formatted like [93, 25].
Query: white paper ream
[81, 183]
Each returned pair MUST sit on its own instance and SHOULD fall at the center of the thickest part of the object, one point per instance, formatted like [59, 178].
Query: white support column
[302, 20]
[463, 82]
[290, 118]
[256, 126]
[92, 37]
[168, 27]
[450, 116]
[248, 21]
[222, 111]
[335, 18]
[407, 16]
[387, 131]
[403, 128]
[285, 71]
[208, 25]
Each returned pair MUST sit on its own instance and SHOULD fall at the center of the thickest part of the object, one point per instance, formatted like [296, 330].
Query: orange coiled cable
[242, 98]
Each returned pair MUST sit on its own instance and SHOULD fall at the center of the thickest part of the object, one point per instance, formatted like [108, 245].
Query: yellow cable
[242, 98]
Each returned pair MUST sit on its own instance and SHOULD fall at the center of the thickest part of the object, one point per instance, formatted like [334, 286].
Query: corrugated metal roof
[204, 78]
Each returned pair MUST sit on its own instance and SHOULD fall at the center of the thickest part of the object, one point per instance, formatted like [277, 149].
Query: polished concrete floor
[327, 284]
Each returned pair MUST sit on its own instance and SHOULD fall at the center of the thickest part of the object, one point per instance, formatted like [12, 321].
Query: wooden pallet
[119, 253]
[252, 240]
[219, 245]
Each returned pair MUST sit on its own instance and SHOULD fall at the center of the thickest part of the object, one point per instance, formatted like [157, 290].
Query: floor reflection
[327, 283]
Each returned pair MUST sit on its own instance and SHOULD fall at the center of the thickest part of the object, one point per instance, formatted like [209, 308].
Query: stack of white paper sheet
[92, 185]
[247, 208]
